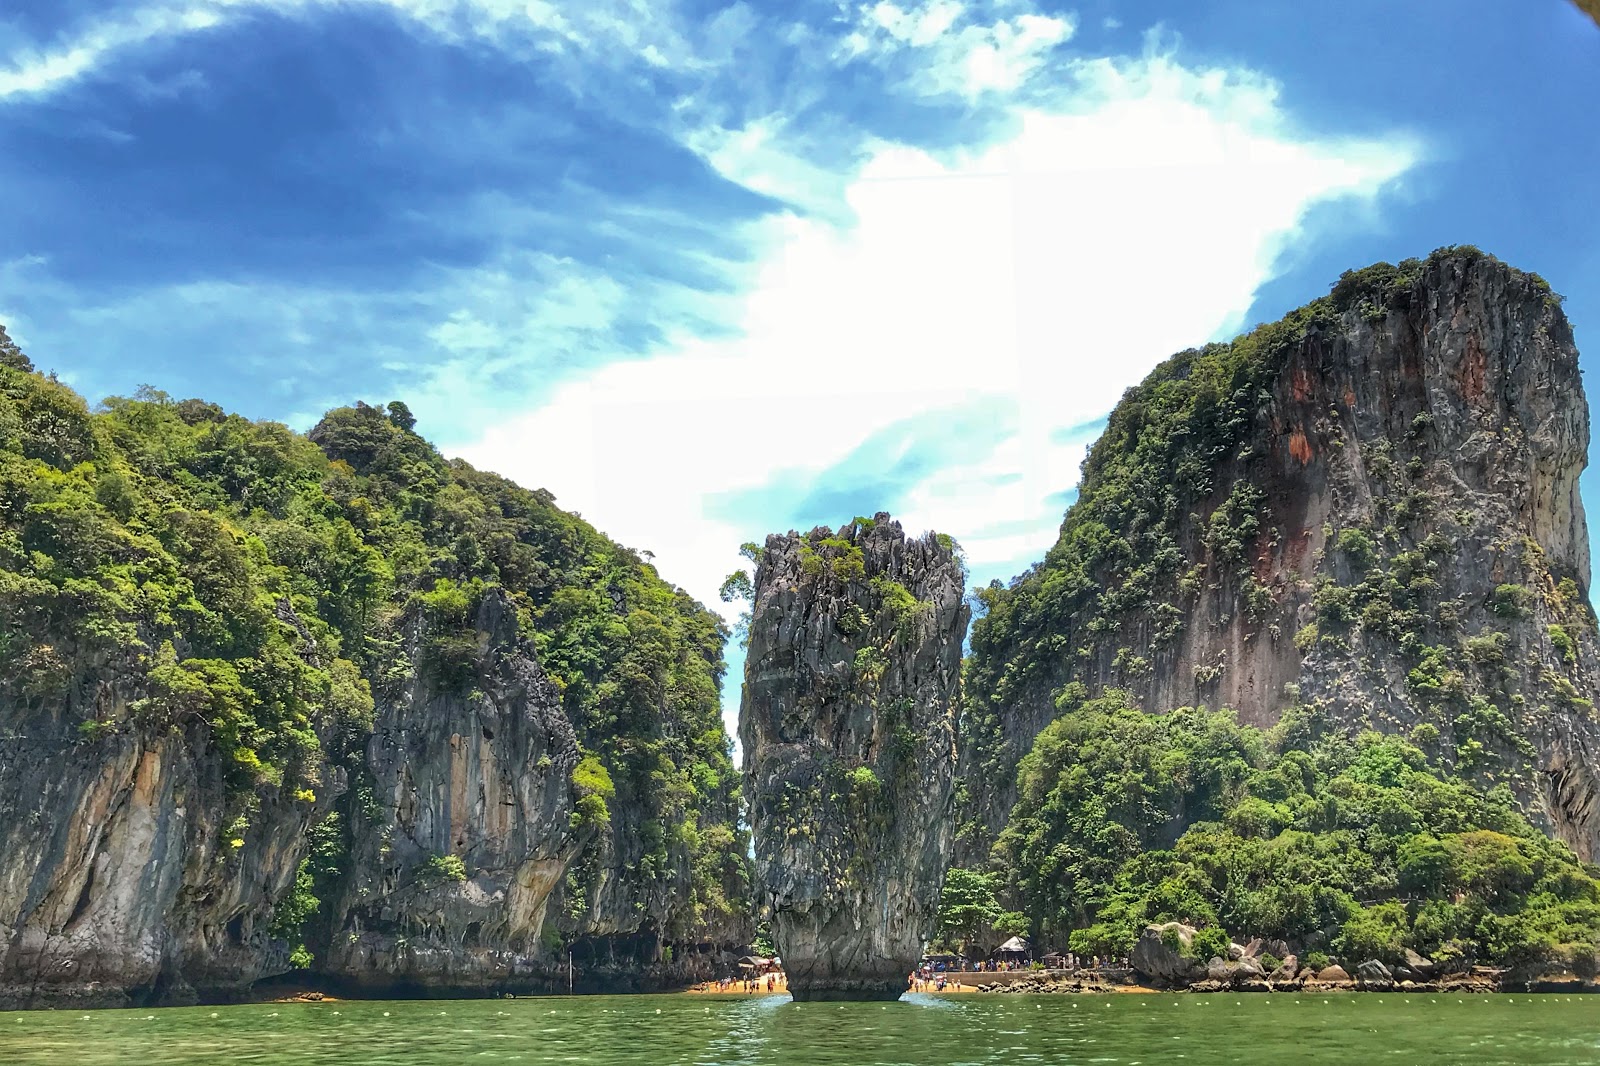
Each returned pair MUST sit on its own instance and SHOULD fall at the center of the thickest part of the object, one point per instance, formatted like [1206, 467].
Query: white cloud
[1135, 217]
[39, 71]
[603, 31]
[958, 52]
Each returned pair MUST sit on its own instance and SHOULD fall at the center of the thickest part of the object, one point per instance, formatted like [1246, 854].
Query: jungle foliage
[1356, 847]
[255, 584]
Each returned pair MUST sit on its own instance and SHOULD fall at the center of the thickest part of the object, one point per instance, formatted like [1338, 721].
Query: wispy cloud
[1044, 272]
[39, 71]
[949, 47]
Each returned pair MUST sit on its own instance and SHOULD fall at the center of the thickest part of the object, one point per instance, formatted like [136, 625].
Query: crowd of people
[749, 983]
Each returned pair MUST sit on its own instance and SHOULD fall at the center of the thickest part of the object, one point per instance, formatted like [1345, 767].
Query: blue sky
[708, 270]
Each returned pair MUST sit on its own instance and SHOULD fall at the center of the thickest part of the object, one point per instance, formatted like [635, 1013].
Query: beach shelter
[1015, 946]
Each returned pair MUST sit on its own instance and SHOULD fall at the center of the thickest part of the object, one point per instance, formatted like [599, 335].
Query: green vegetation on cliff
[1113, 591]
[1290, 522]
[1358, 847]
[250, 587]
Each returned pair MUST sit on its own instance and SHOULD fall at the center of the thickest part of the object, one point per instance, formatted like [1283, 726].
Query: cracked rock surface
[849, 733]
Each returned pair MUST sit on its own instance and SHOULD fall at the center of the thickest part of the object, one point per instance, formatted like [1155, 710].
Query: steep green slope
[168, 570]
[1360, 522]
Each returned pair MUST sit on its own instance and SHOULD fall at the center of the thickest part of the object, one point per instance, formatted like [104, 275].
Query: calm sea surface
[1128, 1029]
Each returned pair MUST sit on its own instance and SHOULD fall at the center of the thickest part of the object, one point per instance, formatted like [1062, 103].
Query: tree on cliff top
[10, 355]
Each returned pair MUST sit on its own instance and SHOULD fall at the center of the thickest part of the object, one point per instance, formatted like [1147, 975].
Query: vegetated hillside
[1355, 847]
[265, 694]
[1368, 510]
[1359, 522]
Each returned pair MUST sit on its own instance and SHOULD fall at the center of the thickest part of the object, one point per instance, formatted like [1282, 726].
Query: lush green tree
[968, 906]
[1355, 845]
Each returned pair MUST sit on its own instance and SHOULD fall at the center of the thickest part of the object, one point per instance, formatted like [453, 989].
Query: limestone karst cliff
[334, 705]
[848, 727]
[1368, 511]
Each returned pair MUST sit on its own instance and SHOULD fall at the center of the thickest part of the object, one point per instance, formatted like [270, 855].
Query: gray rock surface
[483, 777]
[848, 727]
[1373, 970]
[126, 879]
[124, 876]
[1418, 964]
[1153, 958]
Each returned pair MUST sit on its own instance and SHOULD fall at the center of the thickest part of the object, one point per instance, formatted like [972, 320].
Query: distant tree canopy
[970, 915]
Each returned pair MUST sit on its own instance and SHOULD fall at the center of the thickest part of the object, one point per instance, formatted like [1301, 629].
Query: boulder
[1333, 975]
[1424, 968]
[1153, 958]
[1373, 970]
[1287, 969]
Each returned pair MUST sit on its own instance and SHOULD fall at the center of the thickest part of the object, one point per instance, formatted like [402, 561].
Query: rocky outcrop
[1159, 954]
[273, 703]
[469, 829]
[131, 871]
[484, 845]
[1374, 976]
[1368, 511]
[848, 727]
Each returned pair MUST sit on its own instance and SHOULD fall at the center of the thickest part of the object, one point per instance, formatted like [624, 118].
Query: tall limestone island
[1366, 513]
[334, 707]
[848, 726]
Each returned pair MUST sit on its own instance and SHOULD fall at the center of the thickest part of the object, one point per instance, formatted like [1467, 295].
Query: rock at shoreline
[1333, 975]
[484, 776]
[1375, 975]
[848, 727]
[1424, 968]
[1154, 958]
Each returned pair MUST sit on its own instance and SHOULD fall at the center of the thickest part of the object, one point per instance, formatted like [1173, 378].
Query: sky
[707, 271]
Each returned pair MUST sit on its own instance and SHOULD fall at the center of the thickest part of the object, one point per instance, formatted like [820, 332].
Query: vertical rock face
[121, 879]
[468, 827]
[848, 727]
[272, 703]
[1368, 511]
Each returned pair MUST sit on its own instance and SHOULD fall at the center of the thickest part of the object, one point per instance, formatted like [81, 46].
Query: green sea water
[1128, 1030]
